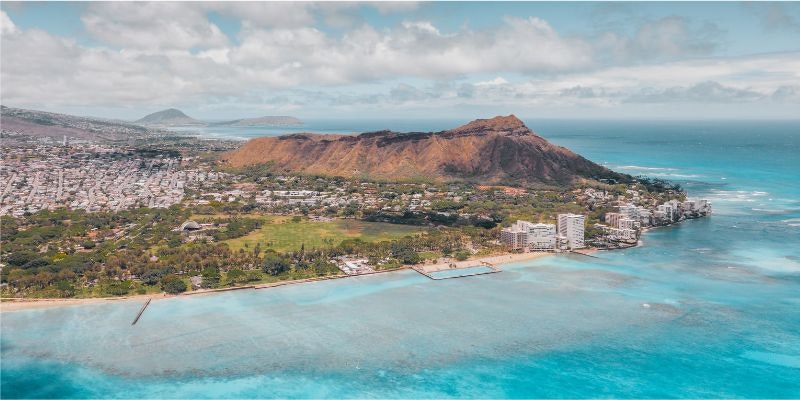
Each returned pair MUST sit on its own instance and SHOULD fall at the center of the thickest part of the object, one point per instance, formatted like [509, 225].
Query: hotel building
[524, 234]
[571, 229]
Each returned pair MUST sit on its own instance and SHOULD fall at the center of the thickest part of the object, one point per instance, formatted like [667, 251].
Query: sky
[621, 60]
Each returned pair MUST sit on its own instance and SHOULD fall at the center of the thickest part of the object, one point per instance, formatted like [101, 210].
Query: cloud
[266, 14]
[171, 54]
[152, 26]
[667, 38]
[496, 81]
[787, 94]
[7, 26]
[778, 16]
[579, 91]
[704, 92]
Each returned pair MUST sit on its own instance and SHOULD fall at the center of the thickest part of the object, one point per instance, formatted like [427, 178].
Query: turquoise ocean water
[710, 308]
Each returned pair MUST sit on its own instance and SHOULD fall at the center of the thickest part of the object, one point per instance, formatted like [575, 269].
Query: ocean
[708, 308]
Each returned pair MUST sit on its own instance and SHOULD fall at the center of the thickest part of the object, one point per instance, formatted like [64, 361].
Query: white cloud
[171, 54]
[703, 92]
[7, 26]
[152, 26]
[496, 81]
[266, 14]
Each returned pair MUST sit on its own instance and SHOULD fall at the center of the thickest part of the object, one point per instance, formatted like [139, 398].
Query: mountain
[279, 120]
[47, 124]
[496, 150]
[168, 117]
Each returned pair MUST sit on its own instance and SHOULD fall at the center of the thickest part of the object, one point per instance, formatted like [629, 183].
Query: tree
[88, 244]
[153, 276]
[275, 264]
[447, 249]
[65, 289]
[350, 210]
[236, 275]
[21, 258]
[462, 255]
[173, 284]
[36, 263]
[323, 267]
[210, 278]
[119, 288]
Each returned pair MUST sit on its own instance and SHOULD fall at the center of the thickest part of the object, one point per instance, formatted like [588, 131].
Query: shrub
[173, 284]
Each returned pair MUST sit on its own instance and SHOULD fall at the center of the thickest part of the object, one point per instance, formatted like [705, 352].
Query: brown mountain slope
[496, 150]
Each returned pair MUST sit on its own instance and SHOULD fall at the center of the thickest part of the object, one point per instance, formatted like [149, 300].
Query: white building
[571, 229]
[516, 235]
[626, 223]
[524, 234]
[612, 219]
[542, 236]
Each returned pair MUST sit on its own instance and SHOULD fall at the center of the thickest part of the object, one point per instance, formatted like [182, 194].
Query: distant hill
[46, 124]
[279, 120]
[496, 150]
[168, 117]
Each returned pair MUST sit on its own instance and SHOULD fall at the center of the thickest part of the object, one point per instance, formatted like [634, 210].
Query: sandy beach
[16, 304]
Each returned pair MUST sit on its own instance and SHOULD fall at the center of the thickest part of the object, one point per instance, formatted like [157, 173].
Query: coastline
[8, 304]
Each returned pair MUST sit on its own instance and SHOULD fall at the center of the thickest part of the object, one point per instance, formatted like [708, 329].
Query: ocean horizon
[709, 308]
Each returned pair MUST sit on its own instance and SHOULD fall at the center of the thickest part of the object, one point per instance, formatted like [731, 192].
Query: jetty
[584, 253]
[141, 311]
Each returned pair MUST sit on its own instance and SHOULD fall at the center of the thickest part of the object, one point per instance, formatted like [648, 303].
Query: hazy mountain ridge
[175, 117]
[168, 117]
[49, 124]
[279, 120]
[496, 150]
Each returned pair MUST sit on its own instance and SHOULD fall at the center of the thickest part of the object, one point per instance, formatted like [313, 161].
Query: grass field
[281, 234]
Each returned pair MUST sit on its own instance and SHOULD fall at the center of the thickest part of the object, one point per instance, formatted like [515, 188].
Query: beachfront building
[571, 230]
[516, 235]
[626, 223]
[524, 234]
[542, 236]
[622, 234]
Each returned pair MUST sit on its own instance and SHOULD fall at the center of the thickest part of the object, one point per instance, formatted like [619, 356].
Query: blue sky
[424, 60]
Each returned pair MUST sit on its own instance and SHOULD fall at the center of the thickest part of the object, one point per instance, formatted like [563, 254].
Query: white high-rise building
[571, 228]
[515, 236]
[524, 234]
[542, 236]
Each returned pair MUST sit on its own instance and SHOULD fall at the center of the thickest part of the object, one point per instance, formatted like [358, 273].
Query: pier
[141, 311]
[453, 266]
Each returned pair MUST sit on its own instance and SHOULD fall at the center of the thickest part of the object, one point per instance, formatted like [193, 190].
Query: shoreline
[9, 304]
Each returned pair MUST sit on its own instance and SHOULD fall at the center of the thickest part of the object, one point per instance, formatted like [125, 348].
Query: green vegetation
[173, 284]
[283, 234]
[66, 253]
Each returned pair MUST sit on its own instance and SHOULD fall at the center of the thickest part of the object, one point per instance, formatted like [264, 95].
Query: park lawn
[281, 234]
